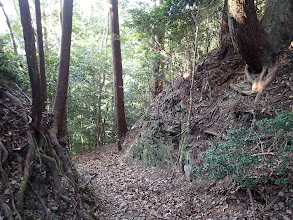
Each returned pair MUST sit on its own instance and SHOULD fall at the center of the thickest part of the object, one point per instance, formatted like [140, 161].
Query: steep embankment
[255, 154]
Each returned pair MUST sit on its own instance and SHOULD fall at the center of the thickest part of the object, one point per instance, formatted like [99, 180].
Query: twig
[83, 30]
[94, 176]
[3, 157]
[7, 184]
[23, 93]
[252, 203]
[273, 201]
[261, 154]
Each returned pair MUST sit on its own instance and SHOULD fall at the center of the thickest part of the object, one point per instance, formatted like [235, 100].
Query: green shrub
[9, 70]
[238, 158]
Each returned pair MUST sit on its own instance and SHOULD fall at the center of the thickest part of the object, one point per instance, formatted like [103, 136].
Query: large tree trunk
[278, 21]
[33, 68]
[41, 54]
[248, 37]
[59, 108]
[117, 70]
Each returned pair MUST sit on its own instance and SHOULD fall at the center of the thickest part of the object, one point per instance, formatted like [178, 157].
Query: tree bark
[278, 21]
[41, 54]
[59, 108]
[158, 73]
[33, 68]
[117, 70]
[248, 37]
[224, 37]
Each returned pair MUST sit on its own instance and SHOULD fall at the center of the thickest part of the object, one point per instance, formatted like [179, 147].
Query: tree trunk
[33, 68]
[10, 31]
[248, 37]
[41, 54]
[278, 21]
[59, 108]
[117, 70]
[158, 74]
[224, 38]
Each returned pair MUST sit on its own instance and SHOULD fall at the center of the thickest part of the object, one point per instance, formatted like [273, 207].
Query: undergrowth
[248, 155]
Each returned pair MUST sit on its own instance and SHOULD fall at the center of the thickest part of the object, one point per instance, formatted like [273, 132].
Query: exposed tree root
[52, 164]
[41, 146]
[5, 211]
[47, 211]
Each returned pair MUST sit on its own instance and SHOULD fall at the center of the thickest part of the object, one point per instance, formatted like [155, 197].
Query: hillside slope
[216, 108]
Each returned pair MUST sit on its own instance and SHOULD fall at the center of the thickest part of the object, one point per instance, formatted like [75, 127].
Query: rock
[54, 208]
[281, 204]
[188, 172]
[285, 217]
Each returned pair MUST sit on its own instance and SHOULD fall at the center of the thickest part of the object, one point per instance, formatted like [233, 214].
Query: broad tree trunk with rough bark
[32, 62]
[258, 42]
[247, 34]
[117, 70]
[278, 21]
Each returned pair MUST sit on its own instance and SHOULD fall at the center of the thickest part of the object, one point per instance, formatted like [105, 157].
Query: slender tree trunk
[158, 74]
[33, 68]
[247, 34]
[117, 70]
[100, 129]
[41, 54]
[59, 108]
[10, 31]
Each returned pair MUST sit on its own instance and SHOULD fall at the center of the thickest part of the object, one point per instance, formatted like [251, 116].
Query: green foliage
[235, 156]
[9, 65]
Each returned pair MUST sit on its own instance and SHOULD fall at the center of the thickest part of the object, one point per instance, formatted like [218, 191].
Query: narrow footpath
[130, 191]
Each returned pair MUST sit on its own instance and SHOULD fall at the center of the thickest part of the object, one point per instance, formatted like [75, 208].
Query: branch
[93, 25]
[23, 93]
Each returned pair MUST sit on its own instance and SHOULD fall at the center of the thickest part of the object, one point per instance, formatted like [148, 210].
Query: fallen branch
[252, 203]
[3, 154]
[93, 177]
[25, 95]
[261, 154]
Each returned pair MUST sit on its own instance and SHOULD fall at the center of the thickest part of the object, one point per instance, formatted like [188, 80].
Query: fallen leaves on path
[131, 191]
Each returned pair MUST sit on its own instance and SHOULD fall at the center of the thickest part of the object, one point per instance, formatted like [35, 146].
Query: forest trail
[126, 190]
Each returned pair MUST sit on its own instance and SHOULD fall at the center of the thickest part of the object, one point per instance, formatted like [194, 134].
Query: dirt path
[130, 191]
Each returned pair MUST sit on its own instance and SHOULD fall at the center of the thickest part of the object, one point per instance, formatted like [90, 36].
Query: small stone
[281, 204]
[276, 207]
[123, 204]
[285, 217]
[6, 192]
[54, 208]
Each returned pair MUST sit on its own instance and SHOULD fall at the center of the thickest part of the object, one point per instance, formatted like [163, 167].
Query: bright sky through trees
[86, 7]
